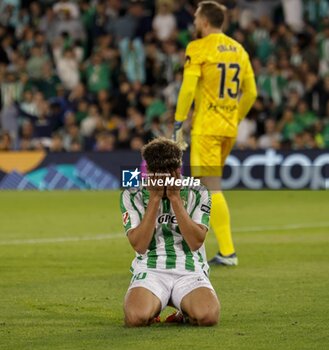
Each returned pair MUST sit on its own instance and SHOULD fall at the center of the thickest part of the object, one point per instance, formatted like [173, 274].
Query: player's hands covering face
[156, 190]
[173, 192]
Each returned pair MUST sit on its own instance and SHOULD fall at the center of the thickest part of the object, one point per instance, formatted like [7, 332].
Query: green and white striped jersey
[168, 249]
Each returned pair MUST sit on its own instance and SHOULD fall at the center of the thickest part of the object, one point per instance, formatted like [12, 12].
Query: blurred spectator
[164, 23]
[272, 84]
[184, 14]
[315, 11]
[169, 61]
[126, 26]
[82, 111]
[68, 68]
[133, 59]
[6, 49]
[304, 116]
[48, 81]
[35, 63]
[289, 126]
[271, 138]
[324, 51]
[89, 124]
[11, 89]
[35, 13]
[136, 143]
[293, 14]
[256, 9]
[153, 107]
[73, 140]
[67, 6]
[9, 11]
[324, 96]
[171, 92]
[105, 142]
[325, 136]
[65, 23]
[47, 24]
[246, 134]
[26, 136]
[6, 143]
[98, 74]
[56, 143]
[43, 117]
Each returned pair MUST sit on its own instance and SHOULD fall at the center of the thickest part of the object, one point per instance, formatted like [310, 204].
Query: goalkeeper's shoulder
[195, 46]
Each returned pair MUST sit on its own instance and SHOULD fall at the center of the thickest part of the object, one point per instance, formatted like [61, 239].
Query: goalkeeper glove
[178, 136]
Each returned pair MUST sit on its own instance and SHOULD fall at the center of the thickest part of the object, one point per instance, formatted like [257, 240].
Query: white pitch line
[122, 235]
[62, 239]
[281, 228]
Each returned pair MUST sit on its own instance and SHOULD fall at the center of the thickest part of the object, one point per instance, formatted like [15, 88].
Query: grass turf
[68, 294]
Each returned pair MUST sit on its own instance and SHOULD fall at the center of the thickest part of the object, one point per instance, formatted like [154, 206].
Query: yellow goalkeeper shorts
[208, 154]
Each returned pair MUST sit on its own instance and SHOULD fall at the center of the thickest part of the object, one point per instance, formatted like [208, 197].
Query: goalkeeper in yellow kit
[219, 78]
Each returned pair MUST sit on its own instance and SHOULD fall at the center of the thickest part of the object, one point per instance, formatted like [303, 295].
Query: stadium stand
[105, 75]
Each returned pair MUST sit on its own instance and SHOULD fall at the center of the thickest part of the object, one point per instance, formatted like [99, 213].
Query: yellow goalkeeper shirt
[224, 71]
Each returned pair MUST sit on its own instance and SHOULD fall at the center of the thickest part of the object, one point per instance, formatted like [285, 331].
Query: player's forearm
[193, 234]
[186, 97]
[248, 98]
[246, 102]
[141, 236]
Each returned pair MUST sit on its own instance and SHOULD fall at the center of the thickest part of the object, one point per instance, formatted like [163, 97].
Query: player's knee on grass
[202, 307]
[140, 307]
[137, 318]
[205, 317]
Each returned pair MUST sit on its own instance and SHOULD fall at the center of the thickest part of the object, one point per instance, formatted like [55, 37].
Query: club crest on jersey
[125, 218]
[167, 219]
[205, 208]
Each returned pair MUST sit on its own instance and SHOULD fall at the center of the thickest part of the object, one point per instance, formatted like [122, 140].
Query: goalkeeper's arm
[248, 98]
[184, 103]
[186, 97]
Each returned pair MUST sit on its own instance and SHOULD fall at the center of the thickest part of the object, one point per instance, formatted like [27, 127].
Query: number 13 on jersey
[223, 90]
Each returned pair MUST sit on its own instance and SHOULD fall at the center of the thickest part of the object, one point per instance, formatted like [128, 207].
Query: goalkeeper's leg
[208, 157]
[220, 223]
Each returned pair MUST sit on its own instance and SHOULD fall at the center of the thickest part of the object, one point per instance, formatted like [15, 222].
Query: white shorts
[169, 285]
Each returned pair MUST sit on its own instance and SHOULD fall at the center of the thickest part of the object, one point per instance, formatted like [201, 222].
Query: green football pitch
[64, 270]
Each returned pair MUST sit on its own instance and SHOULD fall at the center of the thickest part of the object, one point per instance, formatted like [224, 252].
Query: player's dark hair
[214, 12]
[162, 155]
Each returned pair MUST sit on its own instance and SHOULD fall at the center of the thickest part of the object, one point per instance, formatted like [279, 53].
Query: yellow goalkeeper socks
[220, 223]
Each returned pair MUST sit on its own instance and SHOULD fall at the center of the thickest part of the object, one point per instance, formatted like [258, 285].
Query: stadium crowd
[105, 74]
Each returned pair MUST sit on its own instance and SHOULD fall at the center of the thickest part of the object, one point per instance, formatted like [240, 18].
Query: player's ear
[205, 22]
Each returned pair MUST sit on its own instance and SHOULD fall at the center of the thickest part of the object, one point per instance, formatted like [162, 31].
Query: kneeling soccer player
[167, 226]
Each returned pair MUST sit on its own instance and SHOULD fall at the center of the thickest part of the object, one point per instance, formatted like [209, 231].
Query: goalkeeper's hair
[214, 12]
[162, 155]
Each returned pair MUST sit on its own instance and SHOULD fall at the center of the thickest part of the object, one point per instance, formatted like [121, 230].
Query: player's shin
[220, 223]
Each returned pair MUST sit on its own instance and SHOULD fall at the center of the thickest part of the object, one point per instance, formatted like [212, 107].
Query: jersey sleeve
[185, 97]
[130, 215]
[248, 88]
[248, 71]
[201, 212]
[193, 59]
